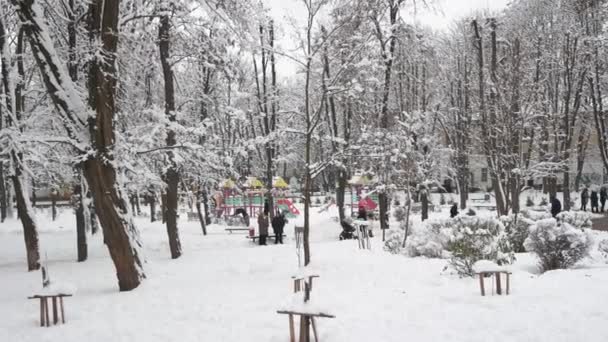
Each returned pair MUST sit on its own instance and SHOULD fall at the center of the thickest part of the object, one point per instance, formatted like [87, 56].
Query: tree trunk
[137, 204]
[206, 206]
[340, 194]
[54, 204]
[24, 210]
[566, 189]
[26, 215]
[171, 177]
[92, 216]
[200, 214]
[81, 234]
[3, 197]
[425, 204]
[152, 203]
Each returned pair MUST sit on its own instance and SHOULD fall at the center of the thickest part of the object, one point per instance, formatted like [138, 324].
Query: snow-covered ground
[225, 288]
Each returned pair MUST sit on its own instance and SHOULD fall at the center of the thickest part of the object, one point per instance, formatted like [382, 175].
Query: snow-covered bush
[517, 228]
[543, 202]
[430, 240]
[577, 219]
[529, 202]
[394, 240]
[603, 248]
[399, 214]
[535, 215]
[557, 244]
[478, 238]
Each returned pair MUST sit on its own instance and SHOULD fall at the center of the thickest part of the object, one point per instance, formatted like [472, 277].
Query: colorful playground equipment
[361, 196]
[251, 196]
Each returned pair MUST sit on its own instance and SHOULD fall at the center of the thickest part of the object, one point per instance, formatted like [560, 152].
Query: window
[484, 174]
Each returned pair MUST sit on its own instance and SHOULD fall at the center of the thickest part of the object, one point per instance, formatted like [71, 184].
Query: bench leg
[55, 318]
[483, 291]
[42, 312]
[292, 334]
[46, 312]
[314, 329]
[508, 284]
[498, 285]
[62, 311]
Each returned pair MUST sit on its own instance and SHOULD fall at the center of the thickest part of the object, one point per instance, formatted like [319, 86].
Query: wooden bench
[253, 238]
[303, 283]
[57, 300]
[498, 281]
[490, 207]
[236, 229]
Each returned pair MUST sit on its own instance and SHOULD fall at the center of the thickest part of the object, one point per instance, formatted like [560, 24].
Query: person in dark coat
[556, 206]
[454, 210]
[263, 226]
[595, 202]
[584, 199]
[278, 224]
[603, 197]
[362, 214]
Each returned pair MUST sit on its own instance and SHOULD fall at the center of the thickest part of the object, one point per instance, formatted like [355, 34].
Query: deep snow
[224, 288]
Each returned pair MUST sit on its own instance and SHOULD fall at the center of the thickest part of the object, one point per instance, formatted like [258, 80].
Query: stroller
[240, 218]
[347, 230]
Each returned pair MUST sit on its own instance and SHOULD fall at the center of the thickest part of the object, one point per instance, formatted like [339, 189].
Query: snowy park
[303, 170]
[226, 288]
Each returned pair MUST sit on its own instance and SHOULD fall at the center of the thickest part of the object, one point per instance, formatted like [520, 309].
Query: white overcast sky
[439, 17]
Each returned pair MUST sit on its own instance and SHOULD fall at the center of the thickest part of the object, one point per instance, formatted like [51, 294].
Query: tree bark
[81, 234]
[152, 203]
[3, 197]
[425, 204]
[54, 204]
[202, 220]
[171, 177]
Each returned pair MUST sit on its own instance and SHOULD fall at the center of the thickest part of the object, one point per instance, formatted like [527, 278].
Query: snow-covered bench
[484, 268]
[255, 237]
[236, 229]
[55, 293]
[300, 304]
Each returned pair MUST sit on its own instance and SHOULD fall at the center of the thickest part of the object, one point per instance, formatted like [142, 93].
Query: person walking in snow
[584, 199]
[263, 226]
[556, 206]
[594, 202]
[603, 197]
[454, 210]
[278, 224]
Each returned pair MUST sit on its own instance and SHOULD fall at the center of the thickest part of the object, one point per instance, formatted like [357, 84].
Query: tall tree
[120, 234]
[171, 176]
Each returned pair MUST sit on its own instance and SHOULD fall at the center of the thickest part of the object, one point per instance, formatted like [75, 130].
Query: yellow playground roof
[228, 184]
[360, 180]
[279, 183]
[252, 182]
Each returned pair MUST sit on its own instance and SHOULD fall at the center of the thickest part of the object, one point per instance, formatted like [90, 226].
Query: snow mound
[486, 266]
[314, 306]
